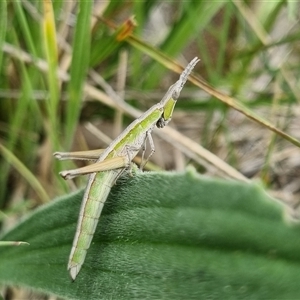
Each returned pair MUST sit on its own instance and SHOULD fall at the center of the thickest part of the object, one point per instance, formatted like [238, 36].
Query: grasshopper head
[169, 100]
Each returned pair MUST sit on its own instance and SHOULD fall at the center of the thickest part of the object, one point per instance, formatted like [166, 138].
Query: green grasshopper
[111, 163]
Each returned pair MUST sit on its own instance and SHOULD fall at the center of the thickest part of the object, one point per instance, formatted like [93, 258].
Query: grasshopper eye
[176, 94]
[161, 123]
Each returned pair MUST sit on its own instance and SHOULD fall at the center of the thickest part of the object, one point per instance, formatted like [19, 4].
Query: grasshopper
[111, 163]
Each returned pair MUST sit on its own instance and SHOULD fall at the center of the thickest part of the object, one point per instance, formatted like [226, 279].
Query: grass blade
[79, 66]
[50, 40]
[23, 170]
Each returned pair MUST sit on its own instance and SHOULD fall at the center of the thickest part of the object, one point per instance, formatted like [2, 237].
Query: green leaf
[162, 236]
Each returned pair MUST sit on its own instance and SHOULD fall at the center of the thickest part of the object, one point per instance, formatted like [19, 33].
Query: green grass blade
[18, 122]
[24, 26]
[23, 170]
[79, 66]
[3, 26]
[50, 41]
[186, 29]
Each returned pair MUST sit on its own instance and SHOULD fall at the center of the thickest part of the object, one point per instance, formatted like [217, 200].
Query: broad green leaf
[163, 236]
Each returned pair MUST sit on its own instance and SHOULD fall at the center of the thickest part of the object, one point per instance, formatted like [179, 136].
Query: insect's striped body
[90, 211]
[111, 163]
[99, 185]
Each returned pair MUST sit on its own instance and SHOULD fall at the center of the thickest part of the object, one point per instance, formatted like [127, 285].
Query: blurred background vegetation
[61, 72]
